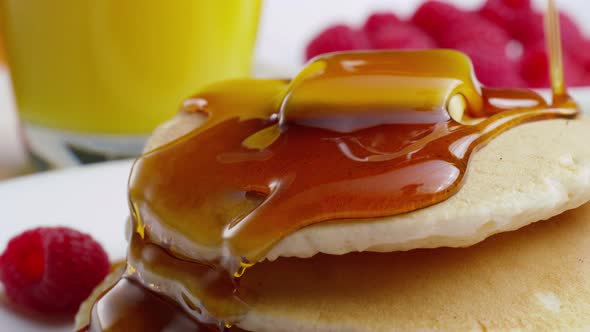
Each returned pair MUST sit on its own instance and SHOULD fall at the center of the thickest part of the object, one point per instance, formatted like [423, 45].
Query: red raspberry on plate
[378, 21]
[505, 12]
[534, 68]
[336, 38]
[529, 29]
[474, 30]
[51, 270]
[434, 16]
[486, 44]
[492, 68]
[402, 36]
[582, 54]
[571, 35]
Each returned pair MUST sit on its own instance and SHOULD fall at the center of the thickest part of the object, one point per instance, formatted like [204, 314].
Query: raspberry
[402, 36]
[505, 12]
[571, 36]
[582, 54]
[585, 79]
[336, 38]
[378, 21]
[486, 44]
[518, 3]
[493, 68]
[534, 68]
[51, 270]
[529, 29]
[434, 16]
[474, 30]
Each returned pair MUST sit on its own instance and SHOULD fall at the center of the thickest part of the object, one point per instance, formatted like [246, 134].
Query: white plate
[91, 199]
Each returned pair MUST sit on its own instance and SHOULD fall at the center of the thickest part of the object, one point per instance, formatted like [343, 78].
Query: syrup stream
[553, 41]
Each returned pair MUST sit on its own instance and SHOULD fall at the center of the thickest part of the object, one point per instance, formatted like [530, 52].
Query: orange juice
[121, 67]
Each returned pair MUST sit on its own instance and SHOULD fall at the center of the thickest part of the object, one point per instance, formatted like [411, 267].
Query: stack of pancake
[507, 248]
[507, 254]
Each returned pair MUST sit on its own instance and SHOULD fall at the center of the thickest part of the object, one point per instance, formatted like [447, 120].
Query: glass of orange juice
[92, 78]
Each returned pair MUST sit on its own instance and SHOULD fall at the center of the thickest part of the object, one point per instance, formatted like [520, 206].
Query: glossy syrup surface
[355, 135]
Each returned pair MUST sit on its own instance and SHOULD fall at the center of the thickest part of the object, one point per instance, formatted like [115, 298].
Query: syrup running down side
[354, 135]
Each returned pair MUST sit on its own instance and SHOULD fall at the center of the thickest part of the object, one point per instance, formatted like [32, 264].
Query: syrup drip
[157, 314]
[357, 135]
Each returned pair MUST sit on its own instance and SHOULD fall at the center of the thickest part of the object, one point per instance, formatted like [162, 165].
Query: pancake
[530, 173]
[533, 279]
